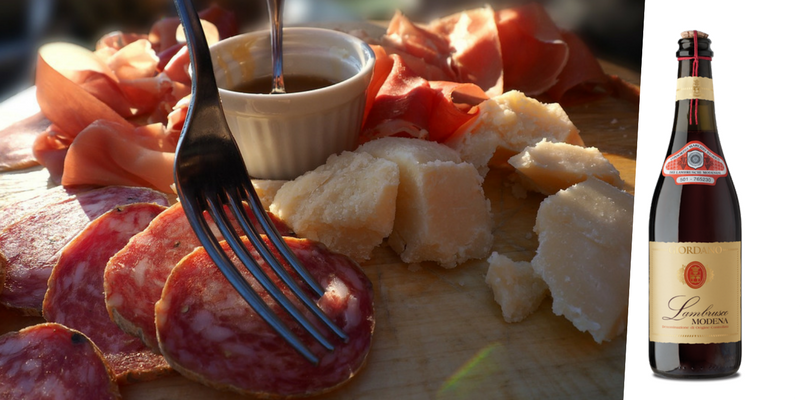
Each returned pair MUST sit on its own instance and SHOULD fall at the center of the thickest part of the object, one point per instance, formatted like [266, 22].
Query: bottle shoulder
[695, 212]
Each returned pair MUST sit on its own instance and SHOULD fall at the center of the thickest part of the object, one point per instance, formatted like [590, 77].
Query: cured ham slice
[580, 76]
[135, 276]
[108, 153]
[462, 47]
[475, 50]
[51, 361]
[50, 149]
[209, 334]
[426, 53]
[75, 296]
[518, 48]
[162, 33]
[408, 105]
[16, 142]
[75, 87]
[30, 247]
[534, 53]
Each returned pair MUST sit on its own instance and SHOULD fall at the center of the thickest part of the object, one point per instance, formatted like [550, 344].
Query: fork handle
[276, 22]
[204, 84]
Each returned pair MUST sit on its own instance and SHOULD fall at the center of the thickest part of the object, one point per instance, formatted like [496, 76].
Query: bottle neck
[694, 105]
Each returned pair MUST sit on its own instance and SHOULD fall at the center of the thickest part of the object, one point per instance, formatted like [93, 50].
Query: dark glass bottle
[695, 236]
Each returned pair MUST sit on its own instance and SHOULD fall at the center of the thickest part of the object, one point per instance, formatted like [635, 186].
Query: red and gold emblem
[695, 275]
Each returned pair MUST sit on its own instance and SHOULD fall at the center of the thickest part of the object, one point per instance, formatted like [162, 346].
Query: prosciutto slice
[475, 48]
[408, 105]
[534, 52]
[426, 53]
[580, 76]
[16, 142]
[518, 48]
[109, 153]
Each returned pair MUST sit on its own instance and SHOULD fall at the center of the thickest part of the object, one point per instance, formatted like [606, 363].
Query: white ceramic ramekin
[282, 136]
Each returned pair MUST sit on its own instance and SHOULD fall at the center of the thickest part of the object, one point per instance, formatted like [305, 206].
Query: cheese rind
[509, 123]
[517, 288]
[442, 212]
[584, 255]
[348, 203]
[549, 167]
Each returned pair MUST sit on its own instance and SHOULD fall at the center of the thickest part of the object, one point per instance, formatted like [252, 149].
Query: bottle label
[695, 292]
[694, 87]
[695, 164]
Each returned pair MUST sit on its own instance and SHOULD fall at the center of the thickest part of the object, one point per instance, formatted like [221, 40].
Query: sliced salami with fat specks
[135, 276]
[209, 334]
[31, 245]
[15, 211]
[51, 361]
[75, 292]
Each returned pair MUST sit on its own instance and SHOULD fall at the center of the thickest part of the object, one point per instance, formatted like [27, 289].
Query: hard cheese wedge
[348, 203]
[584, 255]
[509, 123]
[549, 167]
[442, 213]
[517, 288]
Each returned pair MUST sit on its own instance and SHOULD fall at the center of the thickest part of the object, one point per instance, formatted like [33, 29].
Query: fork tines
[215, 204]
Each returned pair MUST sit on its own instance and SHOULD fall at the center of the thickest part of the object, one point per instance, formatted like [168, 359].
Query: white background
[756, 75]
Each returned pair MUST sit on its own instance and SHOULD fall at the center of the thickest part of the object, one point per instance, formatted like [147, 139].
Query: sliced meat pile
[135, 276]
[75, 296]
[110, 257]
[31, 245]
[428, 79]
[209, 334]
[51, 361]
[115, 111]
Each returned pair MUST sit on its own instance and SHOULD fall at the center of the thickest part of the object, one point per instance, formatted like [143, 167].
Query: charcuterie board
[439, 333]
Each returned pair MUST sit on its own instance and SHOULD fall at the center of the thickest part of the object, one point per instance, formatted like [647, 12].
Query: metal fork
[211, 176]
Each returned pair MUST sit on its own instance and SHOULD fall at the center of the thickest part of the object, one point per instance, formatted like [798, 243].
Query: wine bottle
[695, 236]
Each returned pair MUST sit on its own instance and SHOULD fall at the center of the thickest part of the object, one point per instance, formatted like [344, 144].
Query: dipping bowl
[281, 136]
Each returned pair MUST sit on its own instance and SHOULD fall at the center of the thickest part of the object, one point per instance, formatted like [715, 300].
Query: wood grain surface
[439, 333]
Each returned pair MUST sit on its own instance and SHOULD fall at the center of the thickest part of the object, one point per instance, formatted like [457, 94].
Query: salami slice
[31, 245]
[51, 361]
[135, 276]
[209, 334]
[15, 211]
[75, 292]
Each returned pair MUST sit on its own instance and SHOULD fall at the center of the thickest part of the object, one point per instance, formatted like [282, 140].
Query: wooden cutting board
[439, 333]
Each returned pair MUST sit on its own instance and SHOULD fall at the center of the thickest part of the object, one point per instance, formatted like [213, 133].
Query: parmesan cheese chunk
[509, 123]
[584, 255]
[266, 190]
[549, 167]
[348, 203]
[442, 213]
[517, 288]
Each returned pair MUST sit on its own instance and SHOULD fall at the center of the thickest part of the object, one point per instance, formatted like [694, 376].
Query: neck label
[695, 164]
[694, 87]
